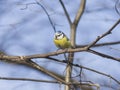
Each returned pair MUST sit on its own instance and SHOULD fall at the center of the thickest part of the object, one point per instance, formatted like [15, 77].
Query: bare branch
[96, 71]
[28, 62]
[28, 79]
[83, 67]
[104, 55]
[42, 69]
[103, 35]
[48, 81]
[65, 11]
[38, 3]
[54, 53]
[80, 12]
[34, 65]
[46, 14]
[117, 6]
[114, 49]
[100, 44]
[75, 23]
[73, 27]
[22, 59]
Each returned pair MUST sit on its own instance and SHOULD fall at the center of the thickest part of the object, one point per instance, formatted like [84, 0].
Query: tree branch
[42, 69]
[100, 44]
[104, 55]
[65, 11]
[30, 63]
[73, 41]
[48, 81]
[117, 4]
[4, 57]
[22, 59]
[38, 3]
[28, 79]
[80, 12]
[104, 34]
[59, 78]
[86, 68]
[46, 14]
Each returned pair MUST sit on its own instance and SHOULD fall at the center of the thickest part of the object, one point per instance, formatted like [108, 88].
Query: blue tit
[61, 40]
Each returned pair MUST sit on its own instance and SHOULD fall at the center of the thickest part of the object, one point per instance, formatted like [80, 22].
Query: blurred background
[27, 30]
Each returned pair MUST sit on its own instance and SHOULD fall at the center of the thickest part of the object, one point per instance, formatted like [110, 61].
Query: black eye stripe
[59, 34]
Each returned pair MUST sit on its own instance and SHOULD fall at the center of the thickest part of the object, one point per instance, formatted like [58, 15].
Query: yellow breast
[62, 43]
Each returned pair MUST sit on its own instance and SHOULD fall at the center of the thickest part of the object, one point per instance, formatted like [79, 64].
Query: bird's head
[59, 35]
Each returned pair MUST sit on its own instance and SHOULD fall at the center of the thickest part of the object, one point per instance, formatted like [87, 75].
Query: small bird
[61, 40]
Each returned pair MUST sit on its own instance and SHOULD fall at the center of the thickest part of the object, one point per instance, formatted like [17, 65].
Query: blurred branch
[80, 12]
[100, 44]
[26, 60]
[36, 66]
[117, 7]
[98, 9]
[38, 3]
[103, 55]
[48, 81]
[59, 78]
[42, 69]
[83, 67]
[114, 49]
[22, 59]
[47, 15]
[104, 34]
[65, 11]
[75, 23]
[28, 79]
[73, 27]
[30, 63]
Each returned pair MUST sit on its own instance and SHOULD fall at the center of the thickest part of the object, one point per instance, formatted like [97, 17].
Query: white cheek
[60, 37]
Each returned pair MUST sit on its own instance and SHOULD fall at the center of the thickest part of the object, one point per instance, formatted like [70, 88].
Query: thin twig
[83, 67]
[117, 5]
[24, 58]
[65, 11]
[73, 27]
[46, 14]
[38, 3]
[114, 49]
[45, 81]
[80, 12]
[34, 65]
[104, 34]
[30, 63]
[28, 79]
[80, 74]
[59, 78]
[42, 69]
[100, 44]
[75, 23]
[103, 55]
